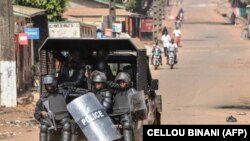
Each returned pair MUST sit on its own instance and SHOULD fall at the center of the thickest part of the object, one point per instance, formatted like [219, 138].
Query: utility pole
[8, 89]
[112, 12]
[163, 9]
[159, 15]
[155, 18]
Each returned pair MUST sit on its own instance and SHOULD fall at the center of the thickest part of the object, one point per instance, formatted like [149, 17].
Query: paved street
[211, 80]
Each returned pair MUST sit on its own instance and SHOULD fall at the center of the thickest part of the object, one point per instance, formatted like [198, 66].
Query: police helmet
[100, 77]
[123, 76]
[48, 79]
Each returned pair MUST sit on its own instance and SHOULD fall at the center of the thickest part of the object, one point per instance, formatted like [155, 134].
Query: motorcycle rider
[181, 14]
[174, 48]
[177, 36]
[177, 22]
[164, 31]
[57, 105]
[156, 51]
[121, 110]
[166, 40]
[104, 95]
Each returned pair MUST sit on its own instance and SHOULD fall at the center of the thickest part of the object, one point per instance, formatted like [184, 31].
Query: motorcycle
[171, 59]
[156, 58]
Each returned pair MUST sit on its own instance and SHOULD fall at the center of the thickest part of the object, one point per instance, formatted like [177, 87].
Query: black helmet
[48, 79]
[99, 77]
[123, 76]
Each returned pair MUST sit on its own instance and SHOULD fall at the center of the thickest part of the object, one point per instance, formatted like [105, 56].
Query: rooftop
[27, 12]
[96, 12]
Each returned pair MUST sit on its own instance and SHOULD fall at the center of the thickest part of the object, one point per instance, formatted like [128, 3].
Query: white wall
[8, 89]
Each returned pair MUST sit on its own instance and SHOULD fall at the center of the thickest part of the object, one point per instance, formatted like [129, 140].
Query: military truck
[122, 52]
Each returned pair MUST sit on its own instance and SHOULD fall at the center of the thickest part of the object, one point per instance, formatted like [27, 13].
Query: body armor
[122, 110]
[106, 99]
[122, 102]
[58, 107]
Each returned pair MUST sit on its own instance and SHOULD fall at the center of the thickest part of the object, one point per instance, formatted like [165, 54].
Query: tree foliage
[130, 5]
[55, 8]
[139, 6]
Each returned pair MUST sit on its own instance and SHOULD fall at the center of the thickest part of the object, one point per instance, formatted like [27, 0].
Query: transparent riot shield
[138, 105]
[93, 120]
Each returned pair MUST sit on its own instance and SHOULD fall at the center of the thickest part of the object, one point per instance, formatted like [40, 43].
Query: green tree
[130, 5]
[55, 8]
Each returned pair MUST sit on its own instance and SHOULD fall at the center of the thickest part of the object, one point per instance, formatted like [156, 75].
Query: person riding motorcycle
[177, 36]
[174, 48]
[177, 22]
[181, 14]
[57, 106]
[104, 95]
[156, 52]
[164, 31]
[121, 110]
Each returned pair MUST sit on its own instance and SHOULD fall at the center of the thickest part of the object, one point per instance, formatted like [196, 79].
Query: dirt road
[211, 80]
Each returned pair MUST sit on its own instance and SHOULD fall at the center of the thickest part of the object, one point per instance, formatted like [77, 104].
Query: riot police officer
[72, 71]
[104, 95]
[101, 65]
[121, 109]
[55, 105]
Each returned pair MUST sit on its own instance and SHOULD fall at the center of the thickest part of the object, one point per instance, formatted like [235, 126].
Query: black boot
[66, 135]
[127, 128]
[127, 135]
[43, 133]
[74, 133]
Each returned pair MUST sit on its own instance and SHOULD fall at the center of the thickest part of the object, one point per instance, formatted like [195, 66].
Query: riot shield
[92, 118]
[138, 105]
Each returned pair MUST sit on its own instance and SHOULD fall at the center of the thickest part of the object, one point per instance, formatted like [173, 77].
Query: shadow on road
[207, 23]
[246, 107]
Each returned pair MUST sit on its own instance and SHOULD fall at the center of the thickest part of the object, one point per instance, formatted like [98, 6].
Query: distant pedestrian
[233, 18]
[166, 40]
[164, 31]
